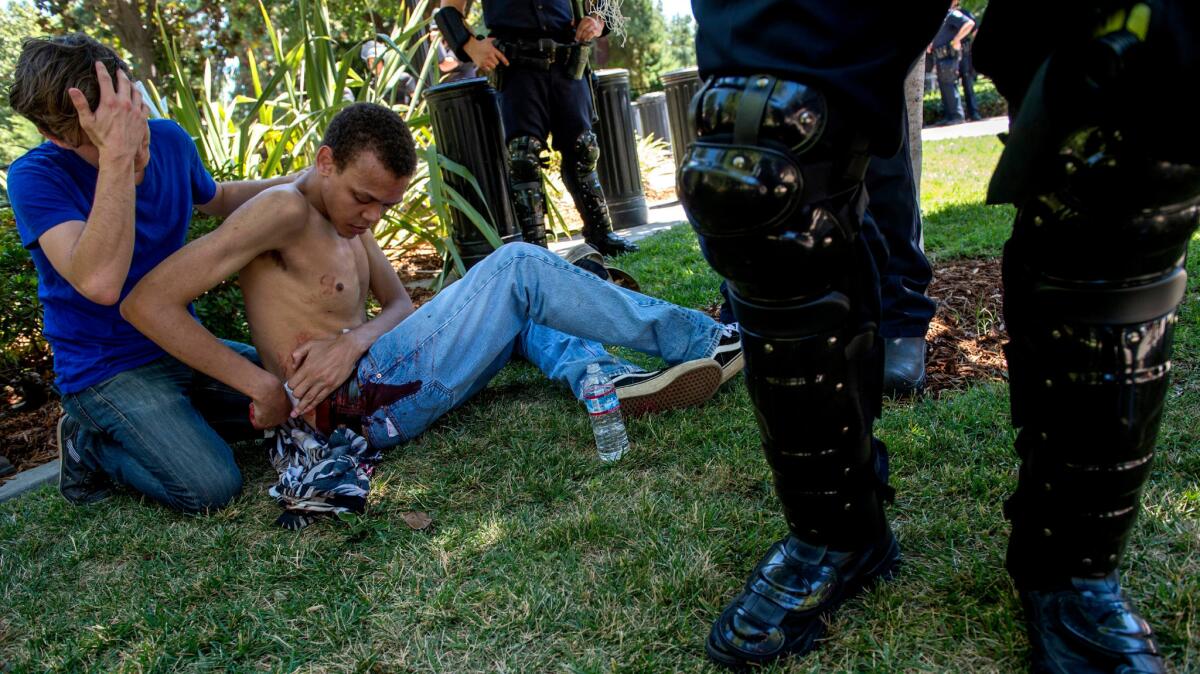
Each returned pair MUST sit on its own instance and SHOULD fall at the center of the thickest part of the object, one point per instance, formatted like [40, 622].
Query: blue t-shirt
[49, 186]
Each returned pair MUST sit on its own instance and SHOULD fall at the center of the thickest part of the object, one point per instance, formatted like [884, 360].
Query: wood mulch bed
[964, 345]
[27, 438]
[967, 332]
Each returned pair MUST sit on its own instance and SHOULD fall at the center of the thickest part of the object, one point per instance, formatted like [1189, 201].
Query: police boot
[773, 188]
[1093, 276]
[579, 176]
[525, 164]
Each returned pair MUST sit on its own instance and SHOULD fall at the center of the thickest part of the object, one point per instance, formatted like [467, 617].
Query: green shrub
[988, 100]
[26, 355]
[221, 309]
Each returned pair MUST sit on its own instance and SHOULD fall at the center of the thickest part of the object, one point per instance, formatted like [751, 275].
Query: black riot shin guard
[773, 187]
[525, 185]
[1088, 362]
[580, 178]
[1090, 350]
[777, 205]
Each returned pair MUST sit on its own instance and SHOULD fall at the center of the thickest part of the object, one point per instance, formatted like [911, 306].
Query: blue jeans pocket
[408, 417]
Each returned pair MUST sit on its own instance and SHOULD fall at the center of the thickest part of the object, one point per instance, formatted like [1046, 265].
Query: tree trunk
[914, 96]
[133, 24]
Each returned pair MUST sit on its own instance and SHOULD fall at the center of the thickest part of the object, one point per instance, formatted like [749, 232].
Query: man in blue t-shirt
[104, 200]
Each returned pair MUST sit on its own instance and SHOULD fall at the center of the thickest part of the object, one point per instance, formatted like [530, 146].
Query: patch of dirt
[27, 438]
[654, 196]
[967, 332]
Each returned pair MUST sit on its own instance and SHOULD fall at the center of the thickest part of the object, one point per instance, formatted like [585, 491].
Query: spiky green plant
[278, 129]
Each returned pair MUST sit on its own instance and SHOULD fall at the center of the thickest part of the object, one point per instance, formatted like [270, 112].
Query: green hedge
[989, 101]
[222, 309]
[26, 355]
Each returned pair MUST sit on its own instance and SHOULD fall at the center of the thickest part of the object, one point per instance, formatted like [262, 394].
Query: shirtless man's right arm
[158, 304]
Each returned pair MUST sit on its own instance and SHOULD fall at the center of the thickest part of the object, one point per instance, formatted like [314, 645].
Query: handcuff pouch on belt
[543, 53]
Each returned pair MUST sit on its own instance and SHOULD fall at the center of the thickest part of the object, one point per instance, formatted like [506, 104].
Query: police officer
[948, 50]
[1107, 191]
[540, 50]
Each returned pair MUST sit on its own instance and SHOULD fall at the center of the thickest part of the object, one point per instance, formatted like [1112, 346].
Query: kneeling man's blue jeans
[520, 300]
[163, 429]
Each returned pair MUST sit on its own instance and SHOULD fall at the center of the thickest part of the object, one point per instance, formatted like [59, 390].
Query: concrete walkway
[987, 127]
[27, 481]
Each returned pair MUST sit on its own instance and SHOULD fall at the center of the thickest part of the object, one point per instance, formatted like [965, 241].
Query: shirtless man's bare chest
[314, 287]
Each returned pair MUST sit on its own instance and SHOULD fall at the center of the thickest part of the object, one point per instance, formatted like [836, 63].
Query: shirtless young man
[306, 260]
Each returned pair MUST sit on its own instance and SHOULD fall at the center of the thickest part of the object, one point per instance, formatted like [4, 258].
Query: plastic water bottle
[605, 411]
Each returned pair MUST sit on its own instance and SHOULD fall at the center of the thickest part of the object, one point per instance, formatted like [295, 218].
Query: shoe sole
[683, 385]
[806, 642]
[905, 390]
[62, 450]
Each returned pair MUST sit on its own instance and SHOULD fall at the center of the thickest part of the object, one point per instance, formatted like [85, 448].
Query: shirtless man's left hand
[322, 364]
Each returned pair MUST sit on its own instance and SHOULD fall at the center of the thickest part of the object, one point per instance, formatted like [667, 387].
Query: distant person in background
[947, 50]
[450, 67]
[930, 76]
[966, 71]
[402, 91]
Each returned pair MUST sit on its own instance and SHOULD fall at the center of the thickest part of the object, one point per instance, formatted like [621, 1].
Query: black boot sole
[883, 570]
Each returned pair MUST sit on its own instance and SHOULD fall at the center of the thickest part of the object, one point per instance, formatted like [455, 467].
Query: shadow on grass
[972, 229]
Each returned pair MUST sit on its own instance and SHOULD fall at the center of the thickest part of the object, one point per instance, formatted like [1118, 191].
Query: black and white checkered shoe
[729, 352]
[681, 385]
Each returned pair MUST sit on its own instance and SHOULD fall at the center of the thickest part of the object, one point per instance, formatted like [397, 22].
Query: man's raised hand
[117, 127]
[590, 28]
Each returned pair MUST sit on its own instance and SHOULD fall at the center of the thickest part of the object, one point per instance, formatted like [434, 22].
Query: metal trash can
[465, 116]
[620, 175]
[680, 86]
[652, 108]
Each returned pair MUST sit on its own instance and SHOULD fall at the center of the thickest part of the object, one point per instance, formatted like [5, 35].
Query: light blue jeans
[520, 300]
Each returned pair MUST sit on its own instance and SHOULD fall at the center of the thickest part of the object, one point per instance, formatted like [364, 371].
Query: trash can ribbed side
[465, 116]
[680, 86]
[652, 108]
[620, 175]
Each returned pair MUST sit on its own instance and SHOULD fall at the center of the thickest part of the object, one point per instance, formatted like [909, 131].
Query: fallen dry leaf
[417, 521]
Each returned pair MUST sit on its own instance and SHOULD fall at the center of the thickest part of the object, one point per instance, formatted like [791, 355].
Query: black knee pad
[582, 156]
[579, 176]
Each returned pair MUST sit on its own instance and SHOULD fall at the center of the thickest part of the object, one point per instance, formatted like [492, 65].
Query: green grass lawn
[540, 559]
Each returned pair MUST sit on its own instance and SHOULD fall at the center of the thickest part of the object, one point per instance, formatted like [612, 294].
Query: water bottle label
[602, 404]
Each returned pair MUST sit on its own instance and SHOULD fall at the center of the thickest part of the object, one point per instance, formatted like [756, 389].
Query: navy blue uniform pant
[541, 103]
